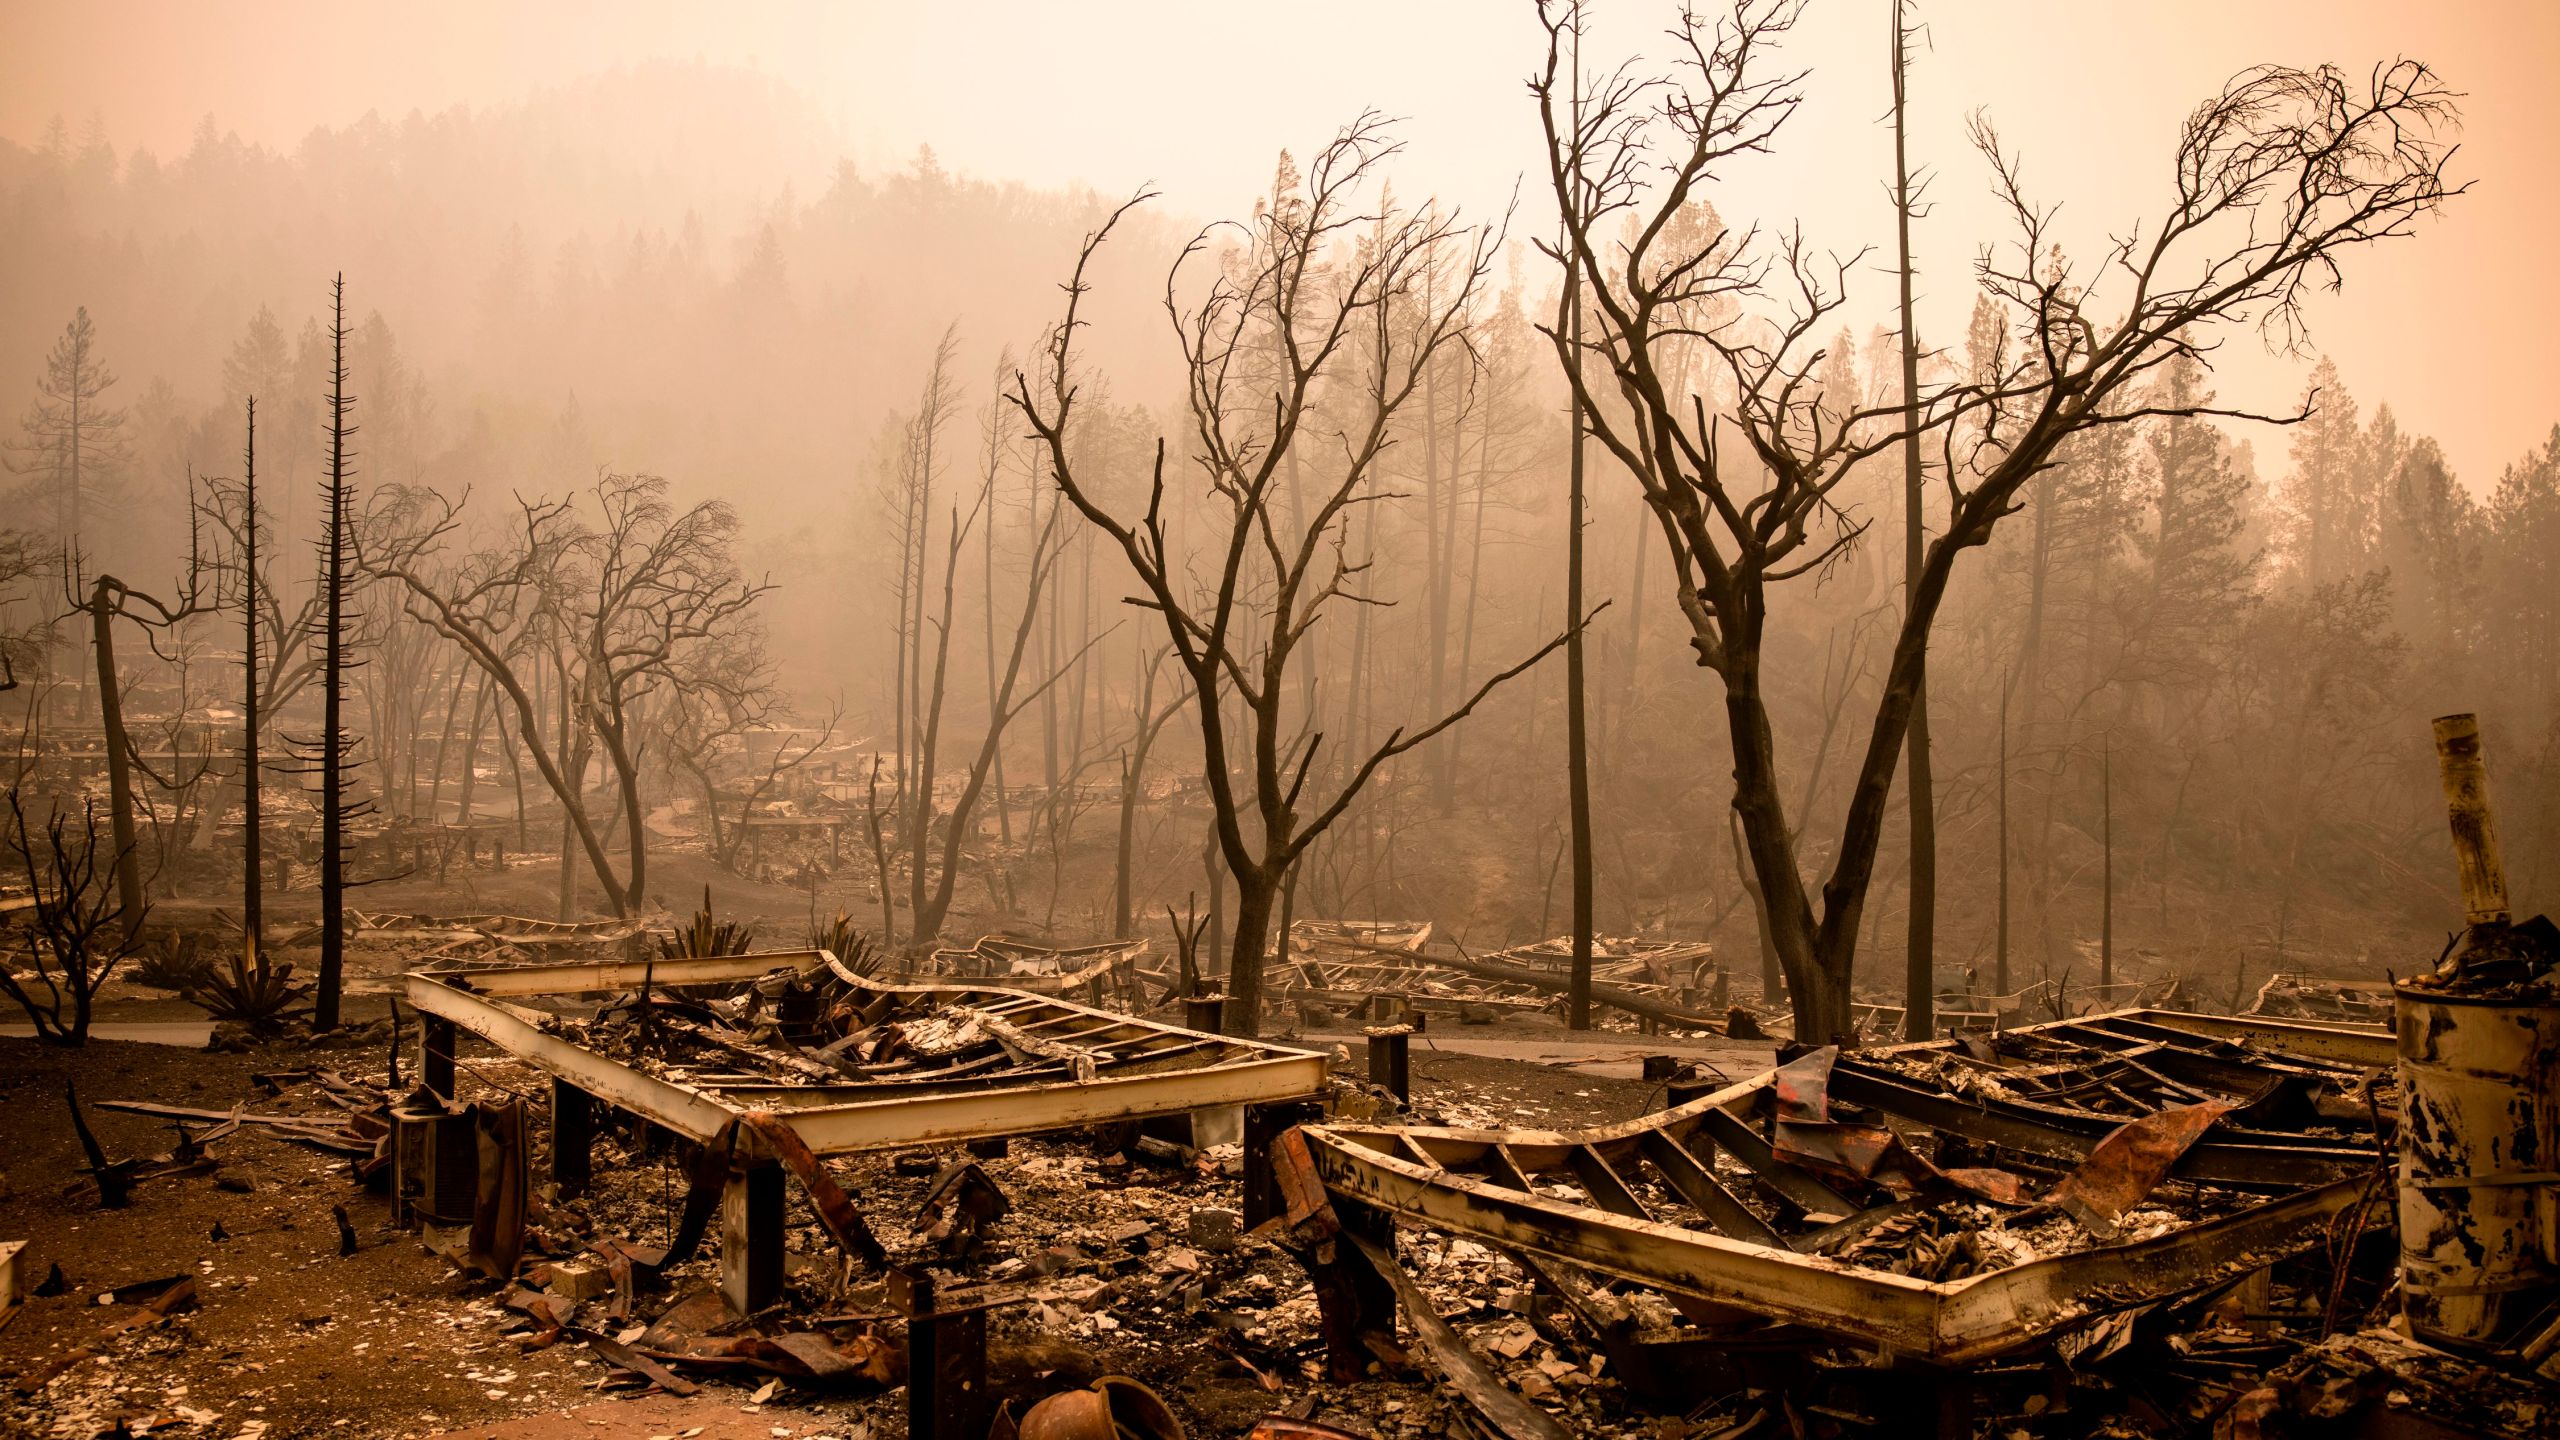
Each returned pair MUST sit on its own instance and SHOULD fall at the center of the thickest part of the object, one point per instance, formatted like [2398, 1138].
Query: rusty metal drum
[2479, 1160]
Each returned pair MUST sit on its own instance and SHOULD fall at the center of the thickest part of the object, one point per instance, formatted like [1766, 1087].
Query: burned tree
[75, 922]
[1921, 943]
[279, 659]
[1147, 720]
[2277, 178]
[722, 691]
[106, 601]
[618, 604]
[252, 680]
[1338, 290]
[929, 901]
[328, 753]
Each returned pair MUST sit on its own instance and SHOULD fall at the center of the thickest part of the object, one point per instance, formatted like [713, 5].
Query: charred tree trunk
[1577, 740]
[253, 924]
[1919, 982]
[333, 668]
[102, 641]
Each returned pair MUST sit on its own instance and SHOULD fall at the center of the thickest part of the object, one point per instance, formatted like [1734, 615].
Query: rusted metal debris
[1114, 1407]
[1510, 1415]
[958, 1210]
[488, 937]
[769, 1062]
[1756, 1198]
[113, 1180]
[912, 1064]
[2129, 1164]
[1338, 965]
[2296, 995]
[1347, 939]
[1087, 970]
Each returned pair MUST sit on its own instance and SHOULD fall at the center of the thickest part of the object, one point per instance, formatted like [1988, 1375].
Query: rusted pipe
[2475, 834]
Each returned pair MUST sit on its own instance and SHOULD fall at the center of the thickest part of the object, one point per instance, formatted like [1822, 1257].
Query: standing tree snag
[2276, 178]
[253, 931]
[329, 751]
[1920, 950]
[1338, 294]
[932, 884]
[106, 601]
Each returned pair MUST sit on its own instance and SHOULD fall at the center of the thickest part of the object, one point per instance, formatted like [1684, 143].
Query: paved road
[192, 1034]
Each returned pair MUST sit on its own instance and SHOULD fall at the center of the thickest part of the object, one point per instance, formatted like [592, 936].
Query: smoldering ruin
[1710, 749]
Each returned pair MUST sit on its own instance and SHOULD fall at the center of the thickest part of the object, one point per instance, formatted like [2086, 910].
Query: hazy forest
[618, 502]
[2233, 630]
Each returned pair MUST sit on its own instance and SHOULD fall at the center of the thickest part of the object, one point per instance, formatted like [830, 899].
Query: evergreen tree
[260, 362]
[2328, 505]
[71, 442]
[2199, 575]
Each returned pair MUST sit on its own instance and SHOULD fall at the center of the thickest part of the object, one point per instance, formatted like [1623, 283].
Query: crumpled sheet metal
[1805, 1134]
[1508, 1414]
[2128, 1165]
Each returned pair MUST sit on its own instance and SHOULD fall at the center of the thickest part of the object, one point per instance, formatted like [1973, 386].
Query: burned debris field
[1755, 720]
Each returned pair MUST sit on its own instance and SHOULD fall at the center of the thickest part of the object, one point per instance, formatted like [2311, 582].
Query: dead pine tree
[253, 930]
[329, 753]
[2275, 180]
[1337, 286]
[279, 657]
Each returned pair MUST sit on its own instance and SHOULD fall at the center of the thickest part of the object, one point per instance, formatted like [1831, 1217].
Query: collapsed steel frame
[1764, 1258]
[1052, 1064]
[1040, 969]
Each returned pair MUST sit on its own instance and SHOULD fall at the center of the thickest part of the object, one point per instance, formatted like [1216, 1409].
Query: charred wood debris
[796, 1178]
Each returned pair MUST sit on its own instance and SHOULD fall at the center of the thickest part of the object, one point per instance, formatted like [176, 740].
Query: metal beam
[584, 977]
[2069, 1135]
[2368, 1047]
[688, 1113]
[886, 1115]
[1950, 1323]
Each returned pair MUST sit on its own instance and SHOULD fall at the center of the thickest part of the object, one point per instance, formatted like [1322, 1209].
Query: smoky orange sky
[2455, 328]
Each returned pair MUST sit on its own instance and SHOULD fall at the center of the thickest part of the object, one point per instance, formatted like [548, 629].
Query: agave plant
[850, 946]
[260, 996]
[706, 936]
[178, 964]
